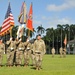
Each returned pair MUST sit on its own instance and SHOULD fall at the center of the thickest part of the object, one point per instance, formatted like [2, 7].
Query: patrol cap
[39, 35]
[26, 37]
[32, 41]
[1, 38]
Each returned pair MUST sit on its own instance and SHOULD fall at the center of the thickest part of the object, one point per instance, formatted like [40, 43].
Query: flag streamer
[20, 31]
[22, 19]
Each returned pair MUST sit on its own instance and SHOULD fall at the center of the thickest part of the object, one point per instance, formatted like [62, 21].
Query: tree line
[52, 37]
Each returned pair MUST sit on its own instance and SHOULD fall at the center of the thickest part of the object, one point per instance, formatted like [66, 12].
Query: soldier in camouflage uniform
[2, 49]
[53, 51]
[32, 52]
[19, 53]
[39, 50]
[27, 52]
[61, 51]
[10, 51]
[64, 52]
[16, 42]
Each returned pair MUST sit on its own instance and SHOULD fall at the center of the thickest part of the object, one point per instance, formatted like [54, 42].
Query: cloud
[55, 22]
[48, 22]
[37, 23]
[66, 5]
[64, 21]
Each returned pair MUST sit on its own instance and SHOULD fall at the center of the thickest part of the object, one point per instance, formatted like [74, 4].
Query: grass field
[51, 66]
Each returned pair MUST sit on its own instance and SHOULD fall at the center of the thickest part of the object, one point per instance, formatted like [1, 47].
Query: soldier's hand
[27, 40]
[33, 52]
[11, 39]
[20, 39]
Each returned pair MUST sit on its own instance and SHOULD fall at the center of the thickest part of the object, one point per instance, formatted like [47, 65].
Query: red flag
[65, 40]
[8, 22]
[29, 20]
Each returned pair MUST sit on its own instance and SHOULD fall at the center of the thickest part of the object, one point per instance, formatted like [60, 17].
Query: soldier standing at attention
[2, 49]
[27, 54]
[10, 51]
[53, 51]
[39, 50]
[61, 51]
[19, 53]
[16, 41]
[32, 52]
[64, 52]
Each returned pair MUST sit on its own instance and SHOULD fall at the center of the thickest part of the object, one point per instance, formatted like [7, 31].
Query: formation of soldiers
[62, 52]
[17, 50]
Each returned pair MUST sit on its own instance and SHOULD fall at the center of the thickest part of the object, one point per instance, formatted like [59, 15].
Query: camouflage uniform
[61, 51]
[32, 55]
[27, 53]
[2, 47]
[53, 52]
[10, 52]
[64, 52]
[19, 53]
[15, 51]
[39, 51]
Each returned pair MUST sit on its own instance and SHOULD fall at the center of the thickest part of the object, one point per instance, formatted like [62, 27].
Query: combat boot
[36, 68]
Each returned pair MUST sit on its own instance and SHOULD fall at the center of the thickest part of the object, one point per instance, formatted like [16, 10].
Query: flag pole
[29, 33]
[11, 32]
[11, 28]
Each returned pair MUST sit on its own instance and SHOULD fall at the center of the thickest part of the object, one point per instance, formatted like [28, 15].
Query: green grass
[51, 66]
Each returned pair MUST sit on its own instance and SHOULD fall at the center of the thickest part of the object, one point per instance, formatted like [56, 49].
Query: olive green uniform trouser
[64, 54]
[19, 56]
[1, 57]
[14, 59]
[61, 54]
[26, 57]
[33, 59]
[38, 59]
[10, 56]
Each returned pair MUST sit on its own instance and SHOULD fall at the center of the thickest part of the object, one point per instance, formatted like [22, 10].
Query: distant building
[71, 47]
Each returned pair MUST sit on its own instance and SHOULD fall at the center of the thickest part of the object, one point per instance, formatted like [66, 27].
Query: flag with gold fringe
[8, 22]
[29, 19]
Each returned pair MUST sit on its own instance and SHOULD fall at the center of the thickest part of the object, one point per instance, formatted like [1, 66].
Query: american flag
[8, 21]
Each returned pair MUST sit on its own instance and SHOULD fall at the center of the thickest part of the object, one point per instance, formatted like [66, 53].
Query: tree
[40, 29]
[32, 33]
[60, 28]
[14, 31]
[66, 30]
[72, 31]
